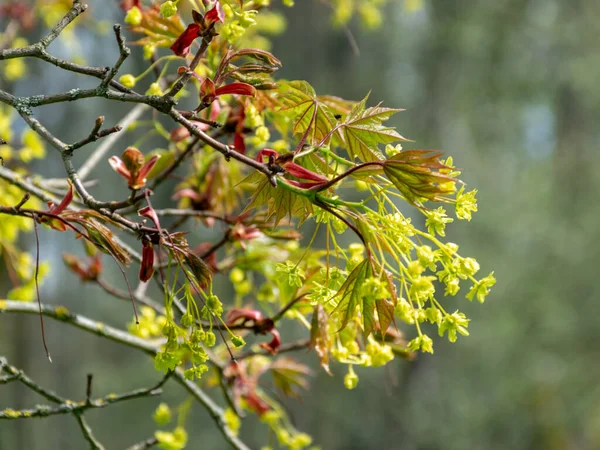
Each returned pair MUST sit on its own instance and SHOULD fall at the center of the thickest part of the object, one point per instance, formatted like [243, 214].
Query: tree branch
[62, 314]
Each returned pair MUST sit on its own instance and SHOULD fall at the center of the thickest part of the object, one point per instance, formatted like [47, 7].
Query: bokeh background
[510, 89]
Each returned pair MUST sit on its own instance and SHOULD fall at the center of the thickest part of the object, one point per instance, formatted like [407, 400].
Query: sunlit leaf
[416, 174]
[363, 131]
[278, 201]
[307, 111]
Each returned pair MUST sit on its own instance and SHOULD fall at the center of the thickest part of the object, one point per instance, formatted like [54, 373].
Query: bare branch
[95, 134]
[87, 433]
[62, 314]
[148, 443]
[215, 411]
[107, 145]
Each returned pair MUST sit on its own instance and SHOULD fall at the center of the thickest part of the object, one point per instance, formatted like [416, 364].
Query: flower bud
[168, 9]
[127, 80]
[133, 16]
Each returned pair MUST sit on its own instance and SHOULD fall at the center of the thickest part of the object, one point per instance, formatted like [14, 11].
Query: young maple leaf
[417, 175]
[351, 295]
[288, 374]
[362, 131]
[308, 112]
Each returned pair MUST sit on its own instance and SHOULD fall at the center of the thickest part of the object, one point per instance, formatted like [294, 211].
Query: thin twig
[108, 143]
[37, 284]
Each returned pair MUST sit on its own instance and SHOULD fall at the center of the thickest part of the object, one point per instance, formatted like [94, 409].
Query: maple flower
[133, 167]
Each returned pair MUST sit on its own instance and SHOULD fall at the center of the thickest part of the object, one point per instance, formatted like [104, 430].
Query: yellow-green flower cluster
[172, 440]
[150, 326]
[232, 421]
[286, 434]
[369, 12]
[15, 68]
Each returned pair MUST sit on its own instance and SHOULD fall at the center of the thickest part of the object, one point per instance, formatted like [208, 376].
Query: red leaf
[147, 267]
[68, 198]
[215, 14]
[236, 314]
[273, 346]
[146, 168]
[181, 46]
[303, 184]
[119, 166]
[266, 152]
[300, 172]
[236, 88]
[238, 143]
[151, 214]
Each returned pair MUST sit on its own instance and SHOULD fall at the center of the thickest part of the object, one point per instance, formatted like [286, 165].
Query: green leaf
[280, 202]
[351, 296]
[363, 131]
[417, 174]
[289, 374]
[300, 101]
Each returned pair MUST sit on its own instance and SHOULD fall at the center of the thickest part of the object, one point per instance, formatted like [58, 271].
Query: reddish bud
[207, 91]
[132, 167]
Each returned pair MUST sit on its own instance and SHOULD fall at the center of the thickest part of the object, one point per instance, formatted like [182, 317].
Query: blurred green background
[509, 89]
